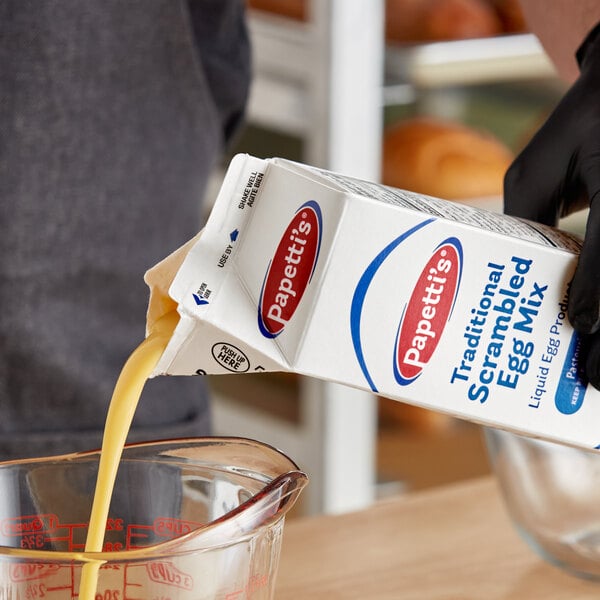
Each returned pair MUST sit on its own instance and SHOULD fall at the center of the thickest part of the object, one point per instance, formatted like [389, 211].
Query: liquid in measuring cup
[189, 520]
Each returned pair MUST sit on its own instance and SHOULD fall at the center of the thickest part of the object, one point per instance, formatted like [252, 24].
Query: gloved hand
[559, 173]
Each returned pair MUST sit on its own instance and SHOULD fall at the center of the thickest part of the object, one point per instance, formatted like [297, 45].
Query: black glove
[558, 173]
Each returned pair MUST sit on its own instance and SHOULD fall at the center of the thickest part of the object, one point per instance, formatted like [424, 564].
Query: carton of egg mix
[429, 302]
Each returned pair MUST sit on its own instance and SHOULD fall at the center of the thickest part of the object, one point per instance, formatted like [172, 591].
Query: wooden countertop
[450, 543]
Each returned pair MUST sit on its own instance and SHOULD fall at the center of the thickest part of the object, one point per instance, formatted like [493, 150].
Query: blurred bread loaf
[425, 20]
[438, 20]
[443, 159]
[292, 9]
[511, 15]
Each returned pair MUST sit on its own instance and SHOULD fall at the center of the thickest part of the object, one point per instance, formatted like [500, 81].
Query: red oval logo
[427, 312]
[290, 270]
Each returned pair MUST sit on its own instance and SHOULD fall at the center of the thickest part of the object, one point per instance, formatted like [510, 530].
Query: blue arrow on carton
[199, 301]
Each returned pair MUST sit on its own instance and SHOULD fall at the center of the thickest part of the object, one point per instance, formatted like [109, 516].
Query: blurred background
[435, 96]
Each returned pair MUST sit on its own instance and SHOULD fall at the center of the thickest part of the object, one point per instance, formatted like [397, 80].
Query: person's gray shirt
[112, 114]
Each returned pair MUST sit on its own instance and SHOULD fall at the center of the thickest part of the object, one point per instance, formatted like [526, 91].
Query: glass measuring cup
[190, 519]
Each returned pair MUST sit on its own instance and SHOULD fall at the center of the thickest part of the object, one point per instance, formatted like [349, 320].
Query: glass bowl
[552, 493]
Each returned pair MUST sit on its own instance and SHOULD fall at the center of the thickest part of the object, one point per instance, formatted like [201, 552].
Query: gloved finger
[590, 353]
[584, 295]
[533, 181]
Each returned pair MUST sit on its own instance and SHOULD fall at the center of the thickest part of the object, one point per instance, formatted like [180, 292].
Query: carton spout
[159, 279]
[202, 343]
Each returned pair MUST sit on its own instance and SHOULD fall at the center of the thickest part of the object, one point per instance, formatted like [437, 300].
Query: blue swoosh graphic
[360, 292]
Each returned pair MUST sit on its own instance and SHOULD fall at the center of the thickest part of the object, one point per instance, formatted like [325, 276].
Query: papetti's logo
[290, 270]
[427, 312]
[424, 316]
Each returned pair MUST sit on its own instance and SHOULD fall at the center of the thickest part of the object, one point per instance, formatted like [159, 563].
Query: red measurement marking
[111, 567]
[255, 583]
[114, 524]
[171, 528]
[67, 530]
[28, 524]
[33, 541]
[36, 590]
[61, 588]
[132, 588]
[169, 574]
[113, 547]
[135, 536]
[31, 571]
[38, 532]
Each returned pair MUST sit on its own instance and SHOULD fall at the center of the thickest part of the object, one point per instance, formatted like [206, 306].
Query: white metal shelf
[286, 61]
[468, 62]
[283, 69]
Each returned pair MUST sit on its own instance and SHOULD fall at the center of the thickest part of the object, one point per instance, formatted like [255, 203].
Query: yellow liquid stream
[122, 407]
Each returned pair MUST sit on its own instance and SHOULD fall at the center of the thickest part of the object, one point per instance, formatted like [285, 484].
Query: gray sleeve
[112, 115]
